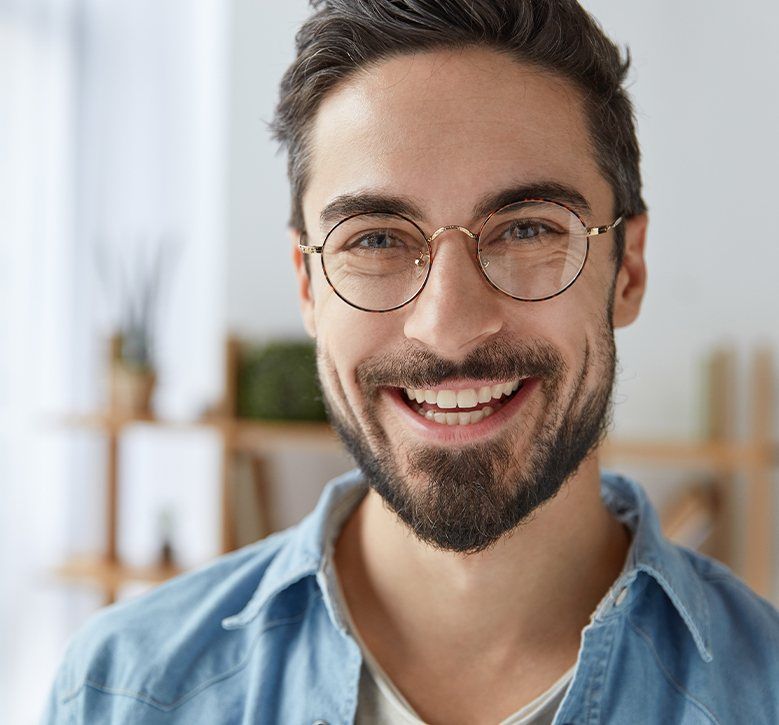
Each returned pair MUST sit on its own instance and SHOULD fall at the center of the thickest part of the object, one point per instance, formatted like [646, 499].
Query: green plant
[278, 381]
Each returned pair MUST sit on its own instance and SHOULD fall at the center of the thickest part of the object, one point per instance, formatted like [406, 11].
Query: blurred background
[148, 312]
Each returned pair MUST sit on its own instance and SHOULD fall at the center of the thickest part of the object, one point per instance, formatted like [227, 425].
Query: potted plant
[277, 380]
[132, 375]
[135, 291]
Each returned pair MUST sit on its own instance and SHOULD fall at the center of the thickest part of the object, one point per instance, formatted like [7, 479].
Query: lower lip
[442, 433]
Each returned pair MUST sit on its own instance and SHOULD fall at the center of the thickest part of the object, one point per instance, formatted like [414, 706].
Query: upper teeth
[467, 398]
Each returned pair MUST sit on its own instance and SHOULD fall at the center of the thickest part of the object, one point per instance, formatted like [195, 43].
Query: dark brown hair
[343, 36]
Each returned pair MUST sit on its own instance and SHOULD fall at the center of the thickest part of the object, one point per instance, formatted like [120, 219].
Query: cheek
[581, 312]
[349, 337]
[571, 323]
[586, 338]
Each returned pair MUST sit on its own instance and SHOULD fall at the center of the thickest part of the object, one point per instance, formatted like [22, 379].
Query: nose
[458, 308]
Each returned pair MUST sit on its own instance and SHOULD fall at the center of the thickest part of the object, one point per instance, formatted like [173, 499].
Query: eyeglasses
[531, 250]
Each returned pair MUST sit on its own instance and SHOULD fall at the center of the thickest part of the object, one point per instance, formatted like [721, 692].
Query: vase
[131, 390]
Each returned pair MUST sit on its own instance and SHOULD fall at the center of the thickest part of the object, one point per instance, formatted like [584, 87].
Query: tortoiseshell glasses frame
[578, 231]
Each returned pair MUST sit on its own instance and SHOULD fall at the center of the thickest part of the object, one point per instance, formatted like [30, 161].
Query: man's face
[444, 131]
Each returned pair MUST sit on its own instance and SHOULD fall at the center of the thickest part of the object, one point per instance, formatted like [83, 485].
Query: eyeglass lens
[529, 250]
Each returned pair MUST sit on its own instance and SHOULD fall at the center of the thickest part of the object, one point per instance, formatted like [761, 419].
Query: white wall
[261, 297]
[37, 79]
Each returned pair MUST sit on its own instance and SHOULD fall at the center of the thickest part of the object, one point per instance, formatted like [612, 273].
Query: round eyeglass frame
[588, 232]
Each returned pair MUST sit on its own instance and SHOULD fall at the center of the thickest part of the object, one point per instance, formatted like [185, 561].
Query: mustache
[414, 367]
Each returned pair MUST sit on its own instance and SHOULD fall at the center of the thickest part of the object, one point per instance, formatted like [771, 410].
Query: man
[468, 229]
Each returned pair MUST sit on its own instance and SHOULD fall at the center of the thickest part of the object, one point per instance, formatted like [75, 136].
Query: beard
[468, 498]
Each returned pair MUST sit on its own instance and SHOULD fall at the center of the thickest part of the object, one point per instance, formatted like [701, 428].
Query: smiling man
[467, 231]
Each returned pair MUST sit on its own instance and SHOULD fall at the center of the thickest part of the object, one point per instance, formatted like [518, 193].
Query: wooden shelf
[270, 436]
[240, 434]
[707, 454]
[112, 575]
[236, 435]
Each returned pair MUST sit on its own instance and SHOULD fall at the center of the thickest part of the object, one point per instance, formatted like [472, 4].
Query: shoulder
[743, 633]
[744, 626]
[157, 647]
[711, 643]
[744, 640]
[732, 604]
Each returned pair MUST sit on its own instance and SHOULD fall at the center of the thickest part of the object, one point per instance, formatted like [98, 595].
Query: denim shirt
[255, 637]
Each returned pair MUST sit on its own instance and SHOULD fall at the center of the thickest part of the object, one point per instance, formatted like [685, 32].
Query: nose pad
[422, 261]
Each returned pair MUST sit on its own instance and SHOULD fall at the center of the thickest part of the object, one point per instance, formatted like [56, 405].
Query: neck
[534, 590]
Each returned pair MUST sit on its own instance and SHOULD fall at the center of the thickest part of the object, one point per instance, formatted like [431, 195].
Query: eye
[376, 240]
[526, 229]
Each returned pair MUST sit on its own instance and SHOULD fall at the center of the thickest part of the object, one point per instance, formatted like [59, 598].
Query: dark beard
[476, 494]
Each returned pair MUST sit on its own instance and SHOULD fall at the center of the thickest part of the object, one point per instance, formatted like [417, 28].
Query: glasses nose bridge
[451, 227]
[431, 254]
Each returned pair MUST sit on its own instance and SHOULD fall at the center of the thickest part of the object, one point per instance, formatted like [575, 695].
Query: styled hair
[344, 36]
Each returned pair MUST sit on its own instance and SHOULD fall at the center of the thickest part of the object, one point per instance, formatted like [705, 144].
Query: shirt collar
[651, 552]
[308, 552]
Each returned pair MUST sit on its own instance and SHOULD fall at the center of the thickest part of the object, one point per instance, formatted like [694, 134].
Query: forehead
[445, 128]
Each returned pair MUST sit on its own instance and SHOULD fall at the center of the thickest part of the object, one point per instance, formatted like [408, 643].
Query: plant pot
[131, 390]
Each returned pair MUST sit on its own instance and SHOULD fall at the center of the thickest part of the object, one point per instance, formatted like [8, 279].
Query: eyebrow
[367, 203]
[551, 190]
[378, 204]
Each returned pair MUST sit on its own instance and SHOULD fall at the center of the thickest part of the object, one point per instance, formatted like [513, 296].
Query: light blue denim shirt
[255, 637]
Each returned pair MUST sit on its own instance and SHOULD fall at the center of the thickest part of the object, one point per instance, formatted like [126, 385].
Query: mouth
[459, 411]
[464, 406]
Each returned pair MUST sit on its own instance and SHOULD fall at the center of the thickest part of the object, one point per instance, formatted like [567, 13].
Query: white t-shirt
[379, 702]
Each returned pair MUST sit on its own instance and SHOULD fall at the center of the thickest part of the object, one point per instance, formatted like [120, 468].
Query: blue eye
[376, 240]
[526, 230]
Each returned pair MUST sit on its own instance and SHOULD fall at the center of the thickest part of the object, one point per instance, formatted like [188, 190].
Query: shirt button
[320, 722]
[621, 596]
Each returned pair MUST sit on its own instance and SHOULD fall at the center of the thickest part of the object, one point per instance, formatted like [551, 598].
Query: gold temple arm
[593, 231]
[310, 249]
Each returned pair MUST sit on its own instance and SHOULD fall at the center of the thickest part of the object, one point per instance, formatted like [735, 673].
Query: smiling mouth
[461, 407]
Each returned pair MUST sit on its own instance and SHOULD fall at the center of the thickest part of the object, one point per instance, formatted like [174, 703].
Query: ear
[305, 296]
[630, 283]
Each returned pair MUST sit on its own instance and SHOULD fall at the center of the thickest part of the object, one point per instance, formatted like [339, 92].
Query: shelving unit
[261, 439]
[694, 512]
